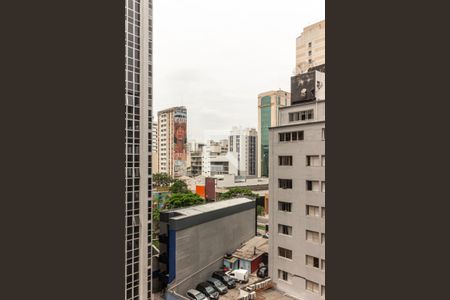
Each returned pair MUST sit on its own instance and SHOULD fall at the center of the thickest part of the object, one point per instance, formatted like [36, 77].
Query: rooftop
[253, 248]
[209, 207]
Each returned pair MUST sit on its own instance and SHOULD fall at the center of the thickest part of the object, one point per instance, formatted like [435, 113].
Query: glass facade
[138, 104]
[265, 124]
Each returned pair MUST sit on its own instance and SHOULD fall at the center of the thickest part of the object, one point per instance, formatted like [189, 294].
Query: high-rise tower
[138, 100]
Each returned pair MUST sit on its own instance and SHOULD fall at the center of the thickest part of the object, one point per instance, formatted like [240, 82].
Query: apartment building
[242, 148]
[172, 141]
[297, 191]
[138, 114]
[269, 104]
[310, 50]
[195, 152]
[215, 159]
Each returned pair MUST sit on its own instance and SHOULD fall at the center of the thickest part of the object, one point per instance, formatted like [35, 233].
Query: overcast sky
[216, 56]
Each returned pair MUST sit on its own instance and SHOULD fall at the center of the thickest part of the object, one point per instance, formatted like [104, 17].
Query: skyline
[261, 57]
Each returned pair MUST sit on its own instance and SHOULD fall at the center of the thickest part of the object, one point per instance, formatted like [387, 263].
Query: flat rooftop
[182, 218]
[252, 248]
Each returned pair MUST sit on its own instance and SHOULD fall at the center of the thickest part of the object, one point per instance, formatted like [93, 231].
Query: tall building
[195, 158]
[242, 149]
[155, 167]
[297, 191]
[268, 105]
[138, 101]
[310, 50]
[215, 159]
[172, 141]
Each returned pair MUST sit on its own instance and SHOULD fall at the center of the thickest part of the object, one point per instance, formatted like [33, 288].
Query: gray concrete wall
[300, 222]
[201, 245]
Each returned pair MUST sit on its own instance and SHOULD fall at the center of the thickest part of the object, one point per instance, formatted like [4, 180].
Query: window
[323, 187]
[283, 275]
[312, 286]
[323, 134]
[323, 238]
[312, 261]
[323, 212]
[310, 61]
[313, 160]
[310, 44]
[286, 253]
[284, 206]
[285, 229]
[313, 236]
[290, 136]
[323, 291]
[309, 52]
[322, 264]
[323, 160]
[312, 210]
[301, 115]
[285, 160]
[312, 185]
[285, 183]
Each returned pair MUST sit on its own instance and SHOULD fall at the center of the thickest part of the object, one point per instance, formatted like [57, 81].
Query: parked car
[262, 272]
[207, 289]
[225, 279]
[218, 285]
[239, 275]
[196, 295]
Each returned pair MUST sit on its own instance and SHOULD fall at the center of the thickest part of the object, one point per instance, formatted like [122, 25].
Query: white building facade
[310, 47]
[297, 197]
[242, 149]
[138, 105]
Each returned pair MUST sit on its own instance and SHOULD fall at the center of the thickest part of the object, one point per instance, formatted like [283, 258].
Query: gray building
[194, 240]
[138, 105]
[297, 192]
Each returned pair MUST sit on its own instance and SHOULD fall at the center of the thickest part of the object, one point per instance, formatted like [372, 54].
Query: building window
[323, 160]
[312, 210]
[323, 187]
[312, 185]
[283, 275]
[301, 115]
[322, 264]
[309, 52]
[310, 61]
[284, 229]
[312, 236]
[323, 212]
[285, 160]
[323, 291]
[313, 160]
[285, 183]
[290, 136]
[312, 286]
[286, 253]
[323, 134]
[310, 44]
[284, 206]
[323, 239]
[312, 261]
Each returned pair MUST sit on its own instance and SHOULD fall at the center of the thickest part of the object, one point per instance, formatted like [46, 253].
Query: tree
[260, 210]
[237, 192]
[162, 180]
[182, 200]
[179, 187]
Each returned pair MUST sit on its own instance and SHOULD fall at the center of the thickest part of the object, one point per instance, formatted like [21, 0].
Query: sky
[216, 56]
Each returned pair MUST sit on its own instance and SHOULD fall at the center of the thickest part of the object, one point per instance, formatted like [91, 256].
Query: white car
[239, 275]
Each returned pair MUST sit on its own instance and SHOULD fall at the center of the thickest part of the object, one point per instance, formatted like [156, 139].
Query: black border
[386, 201]
[63, 150]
